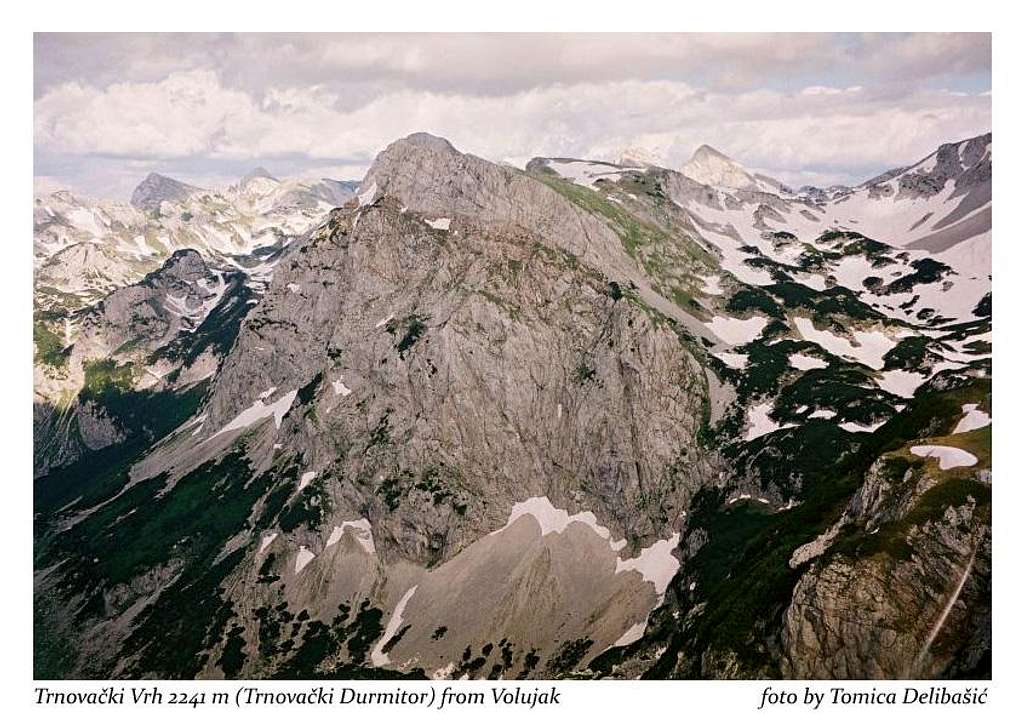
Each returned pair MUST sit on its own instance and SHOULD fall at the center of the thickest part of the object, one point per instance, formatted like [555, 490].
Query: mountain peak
[706, 151]
[428, 153]
[711, 167]
[965, 160]
[423, 140]
[157, 188]
[258, 172]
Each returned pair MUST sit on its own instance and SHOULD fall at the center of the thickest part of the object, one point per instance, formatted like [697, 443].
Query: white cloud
[767, 100]
[184, 114]
[193, 114]
[503, 63]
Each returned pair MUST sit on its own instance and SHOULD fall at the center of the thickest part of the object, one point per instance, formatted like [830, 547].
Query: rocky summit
[585, 419]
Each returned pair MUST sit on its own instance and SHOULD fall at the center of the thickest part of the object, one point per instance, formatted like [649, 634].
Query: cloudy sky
[206, 108]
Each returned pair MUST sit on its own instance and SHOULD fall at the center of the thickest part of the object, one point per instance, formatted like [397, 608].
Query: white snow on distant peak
[362, 531]
[267, 540]
[870, 350]
[304, 558]
[806, 362]
[378, 656]
[656, 564]
[736, 331]
[712, 168]
[440, 224]
[974, 418]
[949, 456]
[259, 411]
[306, 479]
[366, 197]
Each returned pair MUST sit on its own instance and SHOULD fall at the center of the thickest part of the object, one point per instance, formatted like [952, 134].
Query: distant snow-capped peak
[713, 168]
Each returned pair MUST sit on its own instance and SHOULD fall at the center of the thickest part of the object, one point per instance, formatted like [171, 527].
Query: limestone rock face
[478, 351]
[872, 612]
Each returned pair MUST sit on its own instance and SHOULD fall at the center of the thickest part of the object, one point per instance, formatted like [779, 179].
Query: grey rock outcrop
[906, 593]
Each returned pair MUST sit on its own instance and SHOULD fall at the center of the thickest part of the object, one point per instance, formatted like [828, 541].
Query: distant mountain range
[84, 248]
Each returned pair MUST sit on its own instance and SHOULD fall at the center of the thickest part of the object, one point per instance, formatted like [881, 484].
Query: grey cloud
[814, 105]
[504, 63]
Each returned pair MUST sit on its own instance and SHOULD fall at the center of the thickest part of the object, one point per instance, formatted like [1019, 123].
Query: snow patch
[855, 427]
[870, 348]
[712, 284]
[259, 411]
[440, 224]
[585, 173]
[948, 456]
[655, 563]
[736, 331]
[306, 479]
[634, 633]
[760, 422]
[198, 424]
[266, 541]
[974, 418]
[340, 388]
[551, 519]
[900, 382]
[806, 362]
[378, 656]
[304, 558]
[736, 361]
[363, 534]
